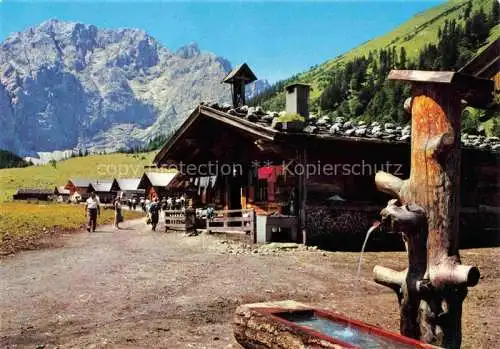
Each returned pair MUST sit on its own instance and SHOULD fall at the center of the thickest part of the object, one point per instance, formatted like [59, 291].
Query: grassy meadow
[22, 223]
[92, 167]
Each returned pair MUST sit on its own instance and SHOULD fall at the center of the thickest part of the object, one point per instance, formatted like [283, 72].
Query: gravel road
[134, 288]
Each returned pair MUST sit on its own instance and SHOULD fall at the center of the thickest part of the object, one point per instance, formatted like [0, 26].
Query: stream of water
[368, 233]
[347, 332]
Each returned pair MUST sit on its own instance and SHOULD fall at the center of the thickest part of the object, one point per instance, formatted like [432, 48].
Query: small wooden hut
[34, 194]
[129, 188]
[105, 189]
[62, 194]
[156, 184]
[79, 189]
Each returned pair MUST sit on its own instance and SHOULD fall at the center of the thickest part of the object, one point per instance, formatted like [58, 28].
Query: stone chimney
[297, 99]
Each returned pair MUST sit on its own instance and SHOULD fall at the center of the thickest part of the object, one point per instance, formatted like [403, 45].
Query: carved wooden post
[432, 289]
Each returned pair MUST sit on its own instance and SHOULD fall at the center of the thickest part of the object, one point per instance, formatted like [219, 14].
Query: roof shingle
[160, 179]
[128, 184]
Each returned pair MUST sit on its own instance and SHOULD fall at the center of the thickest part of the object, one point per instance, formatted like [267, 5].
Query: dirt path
[138, 289]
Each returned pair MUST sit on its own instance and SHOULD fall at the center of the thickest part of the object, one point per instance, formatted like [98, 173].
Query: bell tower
[239, 77]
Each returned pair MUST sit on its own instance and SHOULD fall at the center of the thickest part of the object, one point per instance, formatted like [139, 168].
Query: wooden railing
[180, 220]
[232, 221]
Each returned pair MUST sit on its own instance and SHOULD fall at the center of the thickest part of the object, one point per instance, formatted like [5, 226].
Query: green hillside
[56, 174]
[454, 22]
[412, 35]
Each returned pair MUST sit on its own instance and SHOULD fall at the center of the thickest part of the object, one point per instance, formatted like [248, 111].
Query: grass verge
[26, 226]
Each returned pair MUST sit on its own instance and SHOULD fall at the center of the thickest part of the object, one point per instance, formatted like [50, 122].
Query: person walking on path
[154, 213]
[118, 213]
[134, 203]
[92, 211]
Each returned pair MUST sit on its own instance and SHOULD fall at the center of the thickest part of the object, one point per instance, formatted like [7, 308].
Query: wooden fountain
[426, 208]
[425, 211]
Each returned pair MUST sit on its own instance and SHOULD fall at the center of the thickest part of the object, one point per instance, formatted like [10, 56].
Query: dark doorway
[234, 193]
[234, 198]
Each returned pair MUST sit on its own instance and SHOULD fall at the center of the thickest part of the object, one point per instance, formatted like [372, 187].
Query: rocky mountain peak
[188, 51]
[102, 89]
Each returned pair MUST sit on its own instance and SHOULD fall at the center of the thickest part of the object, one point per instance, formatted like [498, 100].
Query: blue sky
[276, 38]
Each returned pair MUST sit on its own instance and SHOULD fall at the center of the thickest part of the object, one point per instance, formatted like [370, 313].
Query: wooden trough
[270, 326]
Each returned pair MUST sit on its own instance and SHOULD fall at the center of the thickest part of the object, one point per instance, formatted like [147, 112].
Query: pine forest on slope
[354, 85]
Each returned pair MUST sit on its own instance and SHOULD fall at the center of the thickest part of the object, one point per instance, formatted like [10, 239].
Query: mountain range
[66, 85]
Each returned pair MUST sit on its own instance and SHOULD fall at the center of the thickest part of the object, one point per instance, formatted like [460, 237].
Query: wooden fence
[232, 220]
[180, 220]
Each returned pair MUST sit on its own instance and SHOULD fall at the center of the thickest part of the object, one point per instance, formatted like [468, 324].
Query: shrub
[495, 128]
[290, 117]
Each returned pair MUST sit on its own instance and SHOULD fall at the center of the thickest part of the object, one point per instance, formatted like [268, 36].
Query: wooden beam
[477, 92]
[177, 135]
[390, 278]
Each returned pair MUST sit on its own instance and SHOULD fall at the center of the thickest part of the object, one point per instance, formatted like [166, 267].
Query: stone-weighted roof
[80, 182]
[344, 128]
[103, 185]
